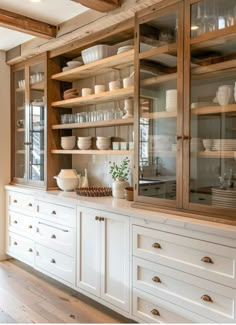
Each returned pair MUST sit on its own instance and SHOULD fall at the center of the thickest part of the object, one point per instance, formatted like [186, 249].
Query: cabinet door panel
[88, 252]
[115, 261]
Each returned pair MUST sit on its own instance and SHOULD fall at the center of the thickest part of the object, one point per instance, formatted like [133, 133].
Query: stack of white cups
[171, 100]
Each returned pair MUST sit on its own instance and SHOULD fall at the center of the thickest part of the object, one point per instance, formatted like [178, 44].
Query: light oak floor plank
[27, 296]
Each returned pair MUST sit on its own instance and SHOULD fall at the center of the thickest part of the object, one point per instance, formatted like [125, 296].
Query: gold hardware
[53, 236]
[156, 279]
[206, 298]
[178, 137]
[37, 253]
[102, 219]
[15, 201]
[53, 212]
[15, 243]
[53, 261]
[207, 259]
[30, 250]
[155, 312]
[30, 204]
[156, 245]
[97, 218]
[15, 221]
[186, 137]
[30, 226]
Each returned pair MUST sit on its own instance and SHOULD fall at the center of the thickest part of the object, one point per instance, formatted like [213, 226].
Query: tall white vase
[118, 188]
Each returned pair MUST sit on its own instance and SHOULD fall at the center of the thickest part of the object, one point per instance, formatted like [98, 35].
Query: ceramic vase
[129, 108]
[118, 188]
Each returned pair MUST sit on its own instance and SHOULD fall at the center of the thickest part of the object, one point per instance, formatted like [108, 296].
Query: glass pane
[158, 112]
[213, 125]
[36, 123]
[210, 15]
[19, 103]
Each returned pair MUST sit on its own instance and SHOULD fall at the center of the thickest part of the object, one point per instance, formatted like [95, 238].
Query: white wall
[4, 143]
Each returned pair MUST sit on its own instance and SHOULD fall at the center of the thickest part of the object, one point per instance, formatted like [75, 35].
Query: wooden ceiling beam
[26, 25]
[100, 5]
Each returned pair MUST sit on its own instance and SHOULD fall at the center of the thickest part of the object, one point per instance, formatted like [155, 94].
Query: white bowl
[97, 52]
[68, 143]
[68, 173]
[67, 146]
[84, 145]
[74, 64]
[103, 138]
[103, 146]
[66, 69]
[84, 138]
[67, 184]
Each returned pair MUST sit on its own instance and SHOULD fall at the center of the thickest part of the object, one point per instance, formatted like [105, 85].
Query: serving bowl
[97, 52]
[67, 184]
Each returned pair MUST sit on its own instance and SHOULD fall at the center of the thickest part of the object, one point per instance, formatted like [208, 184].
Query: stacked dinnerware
[224, 198]
[84, 143]
[224, 145]
[103, 143]
[196, 145]
[68, 143]
[171, 100]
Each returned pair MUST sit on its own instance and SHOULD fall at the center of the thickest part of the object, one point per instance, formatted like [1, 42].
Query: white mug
[113, 85]
[99, 89]
[86, 91]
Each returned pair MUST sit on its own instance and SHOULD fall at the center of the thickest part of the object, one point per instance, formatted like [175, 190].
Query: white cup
[86, 91]
[99, 89]
[113, 85]
[128, 82]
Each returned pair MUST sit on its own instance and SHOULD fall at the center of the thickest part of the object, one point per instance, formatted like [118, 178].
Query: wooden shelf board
[214, 68]
[118, 61]
[118, 94]
[214, 109]
[97, 124]
[160, 115]
[158, 80]
[216, 154]
[37, 86]
[93, 152]
[153, 51]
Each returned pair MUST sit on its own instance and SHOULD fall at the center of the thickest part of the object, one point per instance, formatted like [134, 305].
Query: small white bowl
[84, 138]
[67, 184]
[74, 64]
[84, 145]
[103, 146]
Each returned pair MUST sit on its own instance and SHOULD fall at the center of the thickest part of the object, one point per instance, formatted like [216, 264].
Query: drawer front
[21, 248]
[58, 237]
[207, 260]
[55, 263]
[56, 213]
[204, 297]
[20, 202]
[151, 309]
[21, 224]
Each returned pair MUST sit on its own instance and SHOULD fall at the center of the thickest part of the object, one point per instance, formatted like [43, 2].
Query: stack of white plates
[224, 145]
[125, 49]
[225, 198]
[103, 143]
[196, 145]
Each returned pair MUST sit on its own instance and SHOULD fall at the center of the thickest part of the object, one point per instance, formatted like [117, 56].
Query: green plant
[120, 170]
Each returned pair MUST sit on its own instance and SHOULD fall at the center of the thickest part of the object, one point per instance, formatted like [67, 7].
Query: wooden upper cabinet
[158, 96]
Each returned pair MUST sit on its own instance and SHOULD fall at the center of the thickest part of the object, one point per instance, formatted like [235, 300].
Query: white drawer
[63, 215]
[21, 224]
[186, 254]
[21, 202]
[21, 248]
[58, 237]
[57, 264]
[151, 309]
[185, 290]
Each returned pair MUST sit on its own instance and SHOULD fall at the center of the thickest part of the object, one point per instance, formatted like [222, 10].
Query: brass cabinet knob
[30, 250]
[206, 298]
[155, 312]
[30, 226]
[156, 245]
[97, 218]
[30, 204]
[53, 261]
[53, 236]
[207, 259]
[53, 212]
[15, 222]
[102, 219]
[14, 201]
[15, 243]
[156, 279]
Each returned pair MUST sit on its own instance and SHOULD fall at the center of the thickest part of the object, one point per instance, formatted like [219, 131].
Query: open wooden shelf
[97, 124]
[158, 80]
[159, 115]
[216, 154]
[214, 110]
[92, 152]
[116, 62]
[37, 86]
[214, 69]
[118, 94]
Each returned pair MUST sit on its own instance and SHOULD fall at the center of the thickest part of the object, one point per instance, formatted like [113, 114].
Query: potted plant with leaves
[119, 174]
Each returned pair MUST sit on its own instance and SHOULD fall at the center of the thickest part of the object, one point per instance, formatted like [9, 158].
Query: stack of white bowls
[171, 100]
[103, 143]
[68, 143]
[84, 143]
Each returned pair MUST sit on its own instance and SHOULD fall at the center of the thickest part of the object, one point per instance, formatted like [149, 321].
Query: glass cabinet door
[158, 97]
[36, 120]
[19, 126]
[211, 107]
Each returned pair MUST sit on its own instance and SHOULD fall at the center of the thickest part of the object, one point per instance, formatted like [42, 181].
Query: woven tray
[94, 191]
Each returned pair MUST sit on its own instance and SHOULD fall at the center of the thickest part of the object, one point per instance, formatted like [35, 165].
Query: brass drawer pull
[155, 312]
[207, 259]
[206, 298]
[53, 212]
[30, 226]
[30, 250]
[37, 253]
[15, 221]
[102, 219]
[156, 245]
[14, 201]
[97, 218]
[178, 137]
[53, 261]
[30, 204]
[15, 243]
[156, 279]
[53, 236]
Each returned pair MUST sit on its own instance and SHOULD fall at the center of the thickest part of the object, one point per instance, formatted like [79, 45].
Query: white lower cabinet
[21, 248]
[103, 256]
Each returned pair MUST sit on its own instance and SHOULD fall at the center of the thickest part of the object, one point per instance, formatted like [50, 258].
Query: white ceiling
[50, 11]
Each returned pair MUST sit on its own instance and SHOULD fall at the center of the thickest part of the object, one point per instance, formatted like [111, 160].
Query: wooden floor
[26, 296]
